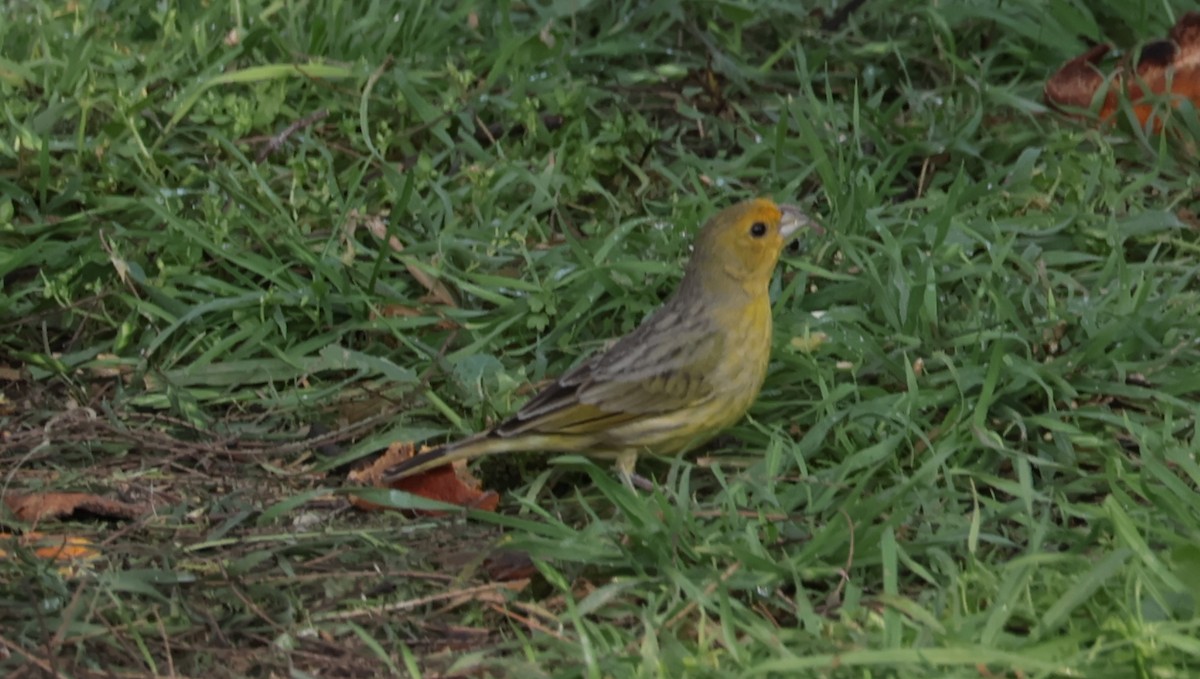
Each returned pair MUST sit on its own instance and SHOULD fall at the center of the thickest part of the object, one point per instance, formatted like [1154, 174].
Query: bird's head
[740, 245]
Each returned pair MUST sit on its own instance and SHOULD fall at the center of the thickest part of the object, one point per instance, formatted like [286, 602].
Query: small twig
[280, 139]
[924, 174]
[490, 134]
[41, 663]
[371, 574]
[487, 132]
[250, 605]
[712, 587]
[214, 627]
[766, 612]
[527, 621]
[69, 613]
[114, 631]
[836, 594]
[166, 640]
[411, 604]
[102, 430]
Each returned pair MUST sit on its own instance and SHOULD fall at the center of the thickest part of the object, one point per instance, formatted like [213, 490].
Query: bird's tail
[487, 443]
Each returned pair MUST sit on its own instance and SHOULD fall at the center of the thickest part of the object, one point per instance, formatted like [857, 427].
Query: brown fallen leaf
[110, 365]
[35, 507]
[1189, 217]
[9, 374]
[509, 564]
[452, 483]
[1169, 66]
[498, 564]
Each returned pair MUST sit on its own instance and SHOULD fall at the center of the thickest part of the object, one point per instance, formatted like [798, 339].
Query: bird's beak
[793, 220]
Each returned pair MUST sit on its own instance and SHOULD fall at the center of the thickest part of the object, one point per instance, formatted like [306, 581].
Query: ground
[245, 246]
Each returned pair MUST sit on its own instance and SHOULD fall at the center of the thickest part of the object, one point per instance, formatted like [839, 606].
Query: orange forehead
[762, 209]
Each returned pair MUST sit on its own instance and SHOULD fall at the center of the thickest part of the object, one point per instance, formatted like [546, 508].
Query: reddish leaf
[452, 484]
[1164, 67]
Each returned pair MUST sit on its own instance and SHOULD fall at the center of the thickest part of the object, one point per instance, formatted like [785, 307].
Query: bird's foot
[626, 461]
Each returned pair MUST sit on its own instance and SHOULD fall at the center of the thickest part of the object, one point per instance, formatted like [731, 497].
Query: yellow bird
[691, 369]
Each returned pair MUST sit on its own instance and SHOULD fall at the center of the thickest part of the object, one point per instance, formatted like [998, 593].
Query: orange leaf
[1169, 66]
[61, 548]
[39, 506]
[450, 483]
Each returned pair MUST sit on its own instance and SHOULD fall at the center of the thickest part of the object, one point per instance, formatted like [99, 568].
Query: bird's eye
[758, 229]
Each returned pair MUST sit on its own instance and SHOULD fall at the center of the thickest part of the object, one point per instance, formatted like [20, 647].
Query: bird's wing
[659, 367]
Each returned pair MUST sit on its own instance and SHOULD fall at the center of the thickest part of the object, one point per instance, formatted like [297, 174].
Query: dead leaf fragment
[378, 228]
[546, 35]
[509, 564]
[376, 224]
[8, 374]
[808, 342]
[402, 310]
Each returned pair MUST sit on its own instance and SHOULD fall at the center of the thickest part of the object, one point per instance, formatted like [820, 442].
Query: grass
[974, 455]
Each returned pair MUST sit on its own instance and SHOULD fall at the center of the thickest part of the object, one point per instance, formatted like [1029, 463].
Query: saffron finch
[692, 368]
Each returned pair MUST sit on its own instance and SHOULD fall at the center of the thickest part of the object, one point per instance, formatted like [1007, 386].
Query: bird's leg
[626, 462]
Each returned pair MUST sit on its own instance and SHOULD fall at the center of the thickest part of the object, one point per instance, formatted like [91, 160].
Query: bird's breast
[747, 351]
